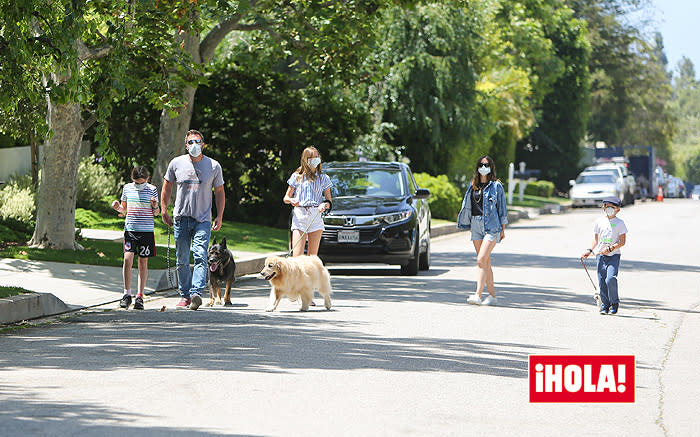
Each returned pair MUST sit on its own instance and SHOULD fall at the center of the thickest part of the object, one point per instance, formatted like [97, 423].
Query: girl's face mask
[140, 187]
[314, 162]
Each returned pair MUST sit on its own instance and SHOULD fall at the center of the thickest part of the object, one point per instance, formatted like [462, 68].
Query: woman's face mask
[609, 211]
[314, 162]
[484, 170]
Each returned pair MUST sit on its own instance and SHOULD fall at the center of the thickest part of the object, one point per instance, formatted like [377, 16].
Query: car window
[595, 179]
[366, 182]
[412, 187]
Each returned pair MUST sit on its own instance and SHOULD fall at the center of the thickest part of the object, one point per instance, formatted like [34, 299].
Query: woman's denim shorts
[478, 232]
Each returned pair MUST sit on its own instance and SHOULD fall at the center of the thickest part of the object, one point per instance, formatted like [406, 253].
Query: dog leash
[589, 275]
[318, 211]
[170, 273]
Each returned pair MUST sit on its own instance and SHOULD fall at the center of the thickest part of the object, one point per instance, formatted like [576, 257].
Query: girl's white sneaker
[474, 299]
[490, 300]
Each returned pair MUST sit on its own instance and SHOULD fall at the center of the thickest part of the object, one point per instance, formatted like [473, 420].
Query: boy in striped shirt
[139, 203]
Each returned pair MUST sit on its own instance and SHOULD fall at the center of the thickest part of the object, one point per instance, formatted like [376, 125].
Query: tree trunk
[55, 220]
[34, 153]
[171, 135]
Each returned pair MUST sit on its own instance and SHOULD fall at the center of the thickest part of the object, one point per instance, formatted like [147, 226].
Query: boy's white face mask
[609, 211]
[313, 162]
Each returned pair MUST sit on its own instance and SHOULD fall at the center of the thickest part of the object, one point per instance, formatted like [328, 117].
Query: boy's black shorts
[143, 243]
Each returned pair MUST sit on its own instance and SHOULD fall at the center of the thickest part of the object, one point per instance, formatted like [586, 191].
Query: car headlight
[396, 217]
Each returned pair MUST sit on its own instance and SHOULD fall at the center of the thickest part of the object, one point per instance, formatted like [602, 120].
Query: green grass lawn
[11, 291]
[239, 237]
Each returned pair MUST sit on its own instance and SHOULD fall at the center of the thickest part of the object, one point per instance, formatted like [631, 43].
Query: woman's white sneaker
[474, 300]
[490, 300]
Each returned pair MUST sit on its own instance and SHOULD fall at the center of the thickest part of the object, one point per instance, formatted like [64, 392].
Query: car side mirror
[422, 193]
[572, 182]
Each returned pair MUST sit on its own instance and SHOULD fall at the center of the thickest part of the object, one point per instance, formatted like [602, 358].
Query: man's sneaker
[138, 303]
[125, 302]
[184, 303]
[196, 302]
[613, 308]
[474, 299]
[603, 309]
[489, 300]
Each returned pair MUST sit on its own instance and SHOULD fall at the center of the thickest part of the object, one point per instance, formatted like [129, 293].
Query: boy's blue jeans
[191, 233]
[608, 267]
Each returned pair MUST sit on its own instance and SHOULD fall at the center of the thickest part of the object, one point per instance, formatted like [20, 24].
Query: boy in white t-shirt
[610, 234]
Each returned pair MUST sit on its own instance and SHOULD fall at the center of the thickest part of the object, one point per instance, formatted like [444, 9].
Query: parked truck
[641, 162]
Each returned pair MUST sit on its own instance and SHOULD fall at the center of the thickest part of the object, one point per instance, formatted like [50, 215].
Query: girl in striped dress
[309, 193]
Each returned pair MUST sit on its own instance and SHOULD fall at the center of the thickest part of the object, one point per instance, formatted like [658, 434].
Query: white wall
[16, 161]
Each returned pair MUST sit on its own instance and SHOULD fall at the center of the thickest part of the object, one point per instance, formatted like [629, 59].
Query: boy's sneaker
[138, 303]
[603, 309]
[613, 308]
[489, 300]
[184, 303]
[125, 302]
[196, 302]
[474, 299]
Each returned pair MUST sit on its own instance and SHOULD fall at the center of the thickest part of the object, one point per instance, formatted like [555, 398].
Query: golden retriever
[296, 277]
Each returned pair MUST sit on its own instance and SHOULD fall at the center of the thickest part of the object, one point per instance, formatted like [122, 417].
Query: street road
[396, 355]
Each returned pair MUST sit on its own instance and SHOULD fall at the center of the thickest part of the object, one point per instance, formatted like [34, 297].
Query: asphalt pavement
[396, 355]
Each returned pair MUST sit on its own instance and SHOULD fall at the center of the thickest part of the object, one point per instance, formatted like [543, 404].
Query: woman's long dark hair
[476, 179]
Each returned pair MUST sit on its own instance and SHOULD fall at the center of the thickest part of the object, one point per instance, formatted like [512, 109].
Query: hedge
[445, 199]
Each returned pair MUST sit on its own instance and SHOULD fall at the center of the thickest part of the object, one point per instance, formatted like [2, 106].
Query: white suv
[620, 171]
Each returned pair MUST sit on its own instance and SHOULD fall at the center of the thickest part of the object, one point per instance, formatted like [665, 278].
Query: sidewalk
[64, 287]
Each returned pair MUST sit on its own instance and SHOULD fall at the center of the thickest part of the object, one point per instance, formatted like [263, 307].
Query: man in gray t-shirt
[195, 175]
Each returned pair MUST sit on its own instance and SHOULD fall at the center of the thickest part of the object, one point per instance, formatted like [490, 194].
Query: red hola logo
[581, 378]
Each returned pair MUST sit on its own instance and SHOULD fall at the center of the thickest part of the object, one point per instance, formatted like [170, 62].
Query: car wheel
[411, 268]
[424, 260]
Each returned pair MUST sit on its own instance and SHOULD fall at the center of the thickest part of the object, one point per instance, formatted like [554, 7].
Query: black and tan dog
[222, 270]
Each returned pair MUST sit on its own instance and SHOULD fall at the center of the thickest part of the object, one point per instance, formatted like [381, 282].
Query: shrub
[445, 199]
[18, 200]
[94, 183]
[537, 188]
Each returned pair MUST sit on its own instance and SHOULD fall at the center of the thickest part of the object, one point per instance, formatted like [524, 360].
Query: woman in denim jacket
[484, 212]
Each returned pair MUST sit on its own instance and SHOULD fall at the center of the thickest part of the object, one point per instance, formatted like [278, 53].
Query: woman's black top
[477, 199]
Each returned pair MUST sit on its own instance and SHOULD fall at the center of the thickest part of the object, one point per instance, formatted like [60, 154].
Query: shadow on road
[504, 259]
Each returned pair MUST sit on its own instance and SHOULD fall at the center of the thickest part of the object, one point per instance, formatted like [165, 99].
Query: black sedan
[379, 215]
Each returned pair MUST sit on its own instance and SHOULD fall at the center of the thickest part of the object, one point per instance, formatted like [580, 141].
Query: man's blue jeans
[608, 267]
[191, 233]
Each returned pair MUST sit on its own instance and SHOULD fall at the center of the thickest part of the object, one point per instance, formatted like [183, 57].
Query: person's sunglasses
[484, 164]
[194, 142]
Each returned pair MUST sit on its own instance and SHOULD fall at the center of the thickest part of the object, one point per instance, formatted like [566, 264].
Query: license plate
[348, 236]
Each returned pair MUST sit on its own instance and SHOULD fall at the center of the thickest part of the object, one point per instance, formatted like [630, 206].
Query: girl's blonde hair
[305, 169]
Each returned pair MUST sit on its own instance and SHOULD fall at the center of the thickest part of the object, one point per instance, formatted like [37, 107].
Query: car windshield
[696, 189]
[595, 179]
[348, 182]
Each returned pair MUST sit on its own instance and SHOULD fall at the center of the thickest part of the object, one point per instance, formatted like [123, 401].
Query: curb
[30, 306]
